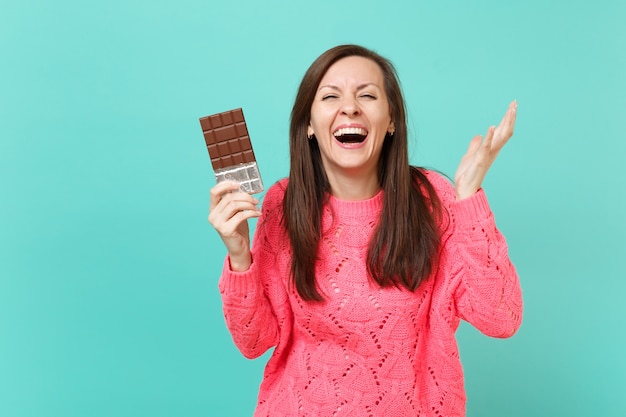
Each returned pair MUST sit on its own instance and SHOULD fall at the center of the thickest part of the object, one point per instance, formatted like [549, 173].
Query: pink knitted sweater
[368, 351]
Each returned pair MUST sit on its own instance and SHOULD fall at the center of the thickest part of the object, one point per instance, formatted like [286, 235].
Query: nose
[349, 107]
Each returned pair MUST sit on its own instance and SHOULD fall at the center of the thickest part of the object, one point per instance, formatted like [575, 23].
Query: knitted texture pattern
[368, 351]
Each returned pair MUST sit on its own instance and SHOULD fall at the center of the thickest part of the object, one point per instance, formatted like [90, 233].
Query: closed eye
[329, 96]
[369, 96]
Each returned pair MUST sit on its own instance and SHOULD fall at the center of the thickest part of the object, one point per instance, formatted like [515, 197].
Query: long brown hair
[405, 244]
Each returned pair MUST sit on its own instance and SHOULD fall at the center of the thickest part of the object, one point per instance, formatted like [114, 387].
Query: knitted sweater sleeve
[483, 282]
[249, 307]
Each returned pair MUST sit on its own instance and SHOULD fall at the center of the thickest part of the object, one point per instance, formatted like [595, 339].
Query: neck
[353, 188]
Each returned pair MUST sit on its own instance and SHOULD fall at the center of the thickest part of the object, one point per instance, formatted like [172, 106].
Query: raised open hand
[229, 212]
[481, 154]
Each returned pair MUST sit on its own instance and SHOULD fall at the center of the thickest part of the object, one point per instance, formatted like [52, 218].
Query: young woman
[362, 266]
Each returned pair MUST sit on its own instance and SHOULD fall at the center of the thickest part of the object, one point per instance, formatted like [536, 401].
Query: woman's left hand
[481, 154]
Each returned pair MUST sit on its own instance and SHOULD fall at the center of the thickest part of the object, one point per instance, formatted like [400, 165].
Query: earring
[392, 129]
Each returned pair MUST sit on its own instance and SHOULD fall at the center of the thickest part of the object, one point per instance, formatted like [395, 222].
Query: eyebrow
[360, 87]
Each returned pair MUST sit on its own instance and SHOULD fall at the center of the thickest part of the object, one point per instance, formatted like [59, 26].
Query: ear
[309, 132]
[391, 129]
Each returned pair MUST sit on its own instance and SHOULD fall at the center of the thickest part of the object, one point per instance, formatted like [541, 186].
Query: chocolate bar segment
[230, 149]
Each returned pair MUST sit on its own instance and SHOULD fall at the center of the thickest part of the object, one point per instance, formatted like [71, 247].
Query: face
[350, 118]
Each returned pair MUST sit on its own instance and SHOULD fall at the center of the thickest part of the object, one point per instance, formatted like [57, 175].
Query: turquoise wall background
[108, 267]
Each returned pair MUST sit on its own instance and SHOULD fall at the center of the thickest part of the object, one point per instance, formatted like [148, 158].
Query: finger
[509, 115]
[243, 215]
[230, 205]
[504, 131]
[512, 116]
[474, 145]
[486, 145]
[222, 189]
[483, 155]
[226, 198]
[226, 186]
[231, 227]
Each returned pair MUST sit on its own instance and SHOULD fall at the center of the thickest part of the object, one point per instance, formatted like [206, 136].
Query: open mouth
[350, 134]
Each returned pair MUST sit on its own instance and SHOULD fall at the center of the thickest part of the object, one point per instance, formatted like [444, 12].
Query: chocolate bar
[230, 149]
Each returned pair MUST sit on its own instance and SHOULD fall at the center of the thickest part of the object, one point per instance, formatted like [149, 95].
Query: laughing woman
[362, 266]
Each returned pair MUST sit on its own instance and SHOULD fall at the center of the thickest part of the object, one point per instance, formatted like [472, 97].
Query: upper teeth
[350, 131]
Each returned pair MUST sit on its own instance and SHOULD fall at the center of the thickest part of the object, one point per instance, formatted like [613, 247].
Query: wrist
[240, 263]
[463, 194]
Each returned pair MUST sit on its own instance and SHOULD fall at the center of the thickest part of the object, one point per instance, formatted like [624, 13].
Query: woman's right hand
[229, 211]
